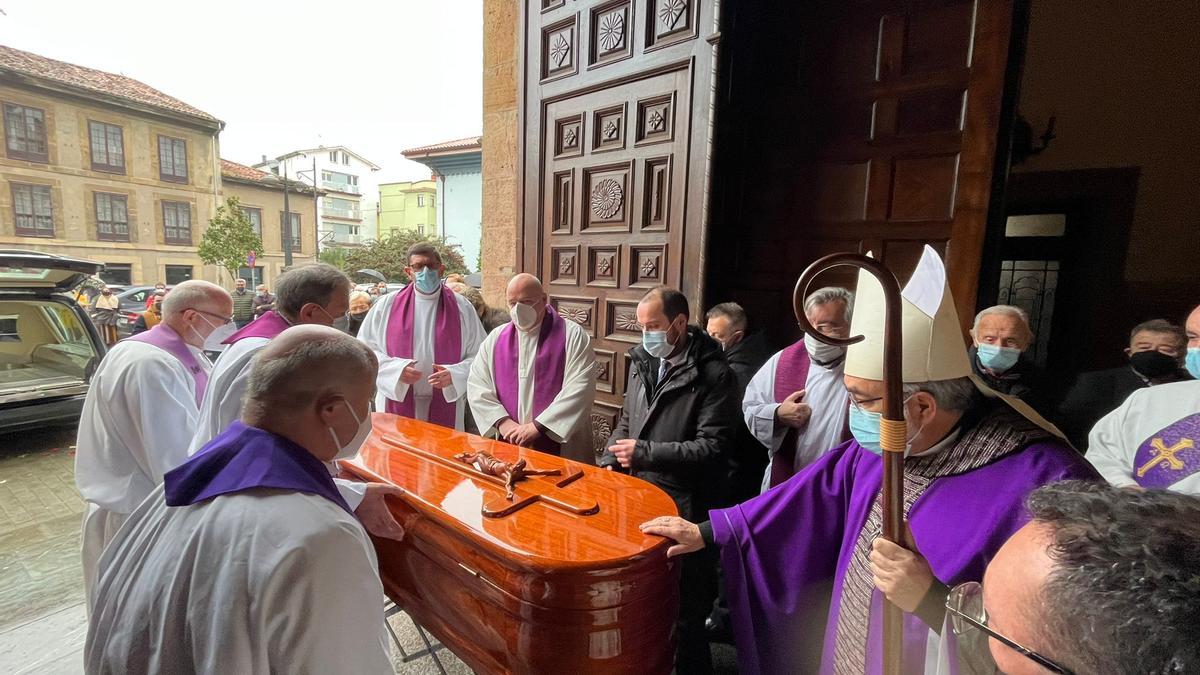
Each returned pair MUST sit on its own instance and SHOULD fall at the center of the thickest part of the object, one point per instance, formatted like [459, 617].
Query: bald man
[533, 382]
[142, 408]
[247, 559]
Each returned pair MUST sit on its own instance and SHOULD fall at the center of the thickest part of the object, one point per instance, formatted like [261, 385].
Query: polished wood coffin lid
[585, 519]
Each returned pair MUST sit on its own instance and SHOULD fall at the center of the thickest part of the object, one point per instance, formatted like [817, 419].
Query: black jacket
[1024, 381]
[747, 458]
[683, 425]
[1094, 395]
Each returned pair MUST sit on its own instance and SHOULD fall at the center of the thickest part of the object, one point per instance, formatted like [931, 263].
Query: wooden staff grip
[893, 435]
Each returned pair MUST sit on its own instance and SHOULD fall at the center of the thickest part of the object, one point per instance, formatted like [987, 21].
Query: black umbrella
[373, 274]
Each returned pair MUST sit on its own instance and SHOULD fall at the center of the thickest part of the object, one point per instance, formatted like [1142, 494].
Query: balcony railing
[341, 187]
[341, 212]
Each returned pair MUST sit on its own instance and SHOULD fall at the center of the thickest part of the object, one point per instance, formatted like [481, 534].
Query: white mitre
[933, 345]
[932, 338]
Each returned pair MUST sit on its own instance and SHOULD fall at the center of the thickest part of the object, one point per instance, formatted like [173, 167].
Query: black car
[49, 349]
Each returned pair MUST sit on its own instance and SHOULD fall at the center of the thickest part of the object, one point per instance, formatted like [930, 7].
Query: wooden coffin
[557, 580]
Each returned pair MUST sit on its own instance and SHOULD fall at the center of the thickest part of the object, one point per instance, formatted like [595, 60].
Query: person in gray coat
[680, 415]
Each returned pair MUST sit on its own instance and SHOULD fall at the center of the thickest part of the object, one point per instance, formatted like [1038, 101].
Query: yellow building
[408, 206]
[101, 166]
[261, 197]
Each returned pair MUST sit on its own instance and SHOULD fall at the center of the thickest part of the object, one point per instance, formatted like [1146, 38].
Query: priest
[246, 559]
[425, 337]
[796, 403]
[141, 410]
[1152, 440]
[533, 382]
[805, 569]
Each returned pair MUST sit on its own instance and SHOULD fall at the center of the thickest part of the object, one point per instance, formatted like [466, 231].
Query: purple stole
[447, 348]
[791, 375]
[269, 325]
[243, 458]
[548, 367]
[165, 338]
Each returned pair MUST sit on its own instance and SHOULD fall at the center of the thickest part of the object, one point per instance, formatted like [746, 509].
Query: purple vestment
[447, 348]
[791, 376]
[244, 458]
[549, 366]
[165, 338]
[269, 325]
[784, 554]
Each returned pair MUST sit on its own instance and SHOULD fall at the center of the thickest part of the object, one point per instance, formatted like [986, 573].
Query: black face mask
[1153, 364]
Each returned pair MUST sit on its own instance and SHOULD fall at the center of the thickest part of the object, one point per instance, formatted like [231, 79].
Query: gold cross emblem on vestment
[1164, 454]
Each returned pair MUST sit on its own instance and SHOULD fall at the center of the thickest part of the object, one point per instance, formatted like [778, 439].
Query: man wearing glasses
[141, 410]
[1102, 580]
[804, 564]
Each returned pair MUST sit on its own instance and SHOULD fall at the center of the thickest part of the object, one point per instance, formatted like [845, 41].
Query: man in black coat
[681, 413]
[1156, 353]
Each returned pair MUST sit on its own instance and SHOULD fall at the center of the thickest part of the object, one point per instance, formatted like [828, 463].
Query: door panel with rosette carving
[616, 115]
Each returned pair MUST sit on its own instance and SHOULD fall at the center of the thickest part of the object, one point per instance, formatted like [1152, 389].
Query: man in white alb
[425, 337]
[141, 410]
[247, 559]
[796, 404]
[533, 382]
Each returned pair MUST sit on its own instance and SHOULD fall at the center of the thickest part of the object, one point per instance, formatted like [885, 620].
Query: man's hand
[686, 535]
[506, 427]
[524, 434]
[410, 375]
[794, 411]
[623, 451]
[374, 514]
[440, 379]
[904, 576]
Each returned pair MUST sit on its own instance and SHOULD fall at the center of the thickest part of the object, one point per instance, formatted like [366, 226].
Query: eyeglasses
[859, 404]
[224, 319]
[965, 604]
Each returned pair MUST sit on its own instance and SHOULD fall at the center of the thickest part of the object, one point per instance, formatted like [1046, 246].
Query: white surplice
[567, 418]
[138, 420]
[826, 395]
[374, 330]
[1146, 416]
[222, 405]
[260, 581]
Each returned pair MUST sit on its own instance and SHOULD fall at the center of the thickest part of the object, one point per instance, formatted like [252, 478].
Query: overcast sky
[378, 76]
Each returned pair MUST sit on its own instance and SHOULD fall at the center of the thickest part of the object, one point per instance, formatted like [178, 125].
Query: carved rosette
[560, 50]
[601, 430]
[656, 122]
[607, 198]
[670, 12]
[570, 137]
[604, 266]
[612, 31]
[650, 268]
[576, 314]
[566, 264]
[628, 322]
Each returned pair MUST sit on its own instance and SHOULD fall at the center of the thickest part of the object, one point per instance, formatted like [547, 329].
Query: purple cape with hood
[785, 553]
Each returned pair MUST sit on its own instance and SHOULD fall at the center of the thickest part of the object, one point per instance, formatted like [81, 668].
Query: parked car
[132, 303]
[49, 349]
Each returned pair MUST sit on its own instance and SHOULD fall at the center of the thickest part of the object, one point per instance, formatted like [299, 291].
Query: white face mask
[523, 316]
[351, 449]
[822, 352]
[219, 334]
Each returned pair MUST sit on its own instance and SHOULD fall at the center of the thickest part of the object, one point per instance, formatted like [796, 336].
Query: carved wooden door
[616, 118]
[856, 126]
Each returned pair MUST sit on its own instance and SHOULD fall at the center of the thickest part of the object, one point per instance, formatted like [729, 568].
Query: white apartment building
[347, 213]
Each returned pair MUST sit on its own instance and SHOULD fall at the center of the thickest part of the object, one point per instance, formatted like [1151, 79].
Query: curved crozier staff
[892, 431]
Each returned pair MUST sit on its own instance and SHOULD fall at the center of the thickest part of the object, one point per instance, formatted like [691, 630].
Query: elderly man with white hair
[796, 404]
[141, 410]
[533, 382]
[1002, 337]
[247, 559]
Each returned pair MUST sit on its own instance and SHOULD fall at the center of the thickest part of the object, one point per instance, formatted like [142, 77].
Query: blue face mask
[428, 280]
[997, 359]
[1193, 361]
[864, 427]
[655, 343]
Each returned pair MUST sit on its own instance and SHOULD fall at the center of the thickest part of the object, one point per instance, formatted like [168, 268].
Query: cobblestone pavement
[42, 620]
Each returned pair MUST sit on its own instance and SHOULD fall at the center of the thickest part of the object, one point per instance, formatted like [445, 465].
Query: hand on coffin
[524, 434]
[410, 375]
[623, 451]
[374, 514]
[902, 574]
[440, 379]
[686, 535]
[794, 411]
[506, 427]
